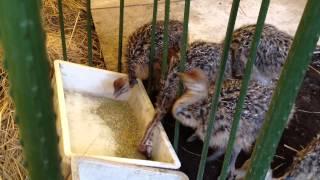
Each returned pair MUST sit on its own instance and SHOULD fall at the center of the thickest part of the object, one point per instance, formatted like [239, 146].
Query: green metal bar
[244, 86]
[0, 38]
[182, 64]
[286, 92]
[215, 100]
[28, 68]
[89, 33]
[176, 136]
[152, 49]
[63, 37]
[164, 64]
[120, 35]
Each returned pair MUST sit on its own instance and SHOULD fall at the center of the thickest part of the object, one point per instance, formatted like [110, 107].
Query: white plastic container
[93, 169]
[84, 79]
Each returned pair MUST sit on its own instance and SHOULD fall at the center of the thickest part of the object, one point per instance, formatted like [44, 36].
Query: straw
[11, 158]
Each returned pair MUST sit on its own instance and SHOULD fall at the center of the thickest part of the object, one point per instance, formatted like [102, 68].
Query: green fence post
[63, 37]
[28, 69]
[89, 33]
[215, 100]
[120, 35]
[244, 86]
[152, 48]
[164, 64]
[285, 94]
[182, 64]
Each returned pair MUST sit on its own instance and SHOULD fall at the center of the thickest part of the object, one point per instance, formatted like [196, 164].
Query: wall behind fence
[208, 19]
[136, 13]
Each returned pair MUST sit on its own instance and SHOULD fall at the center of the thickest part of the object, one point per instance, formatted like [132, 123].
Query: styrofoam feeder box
[93, 169]
[82, 94]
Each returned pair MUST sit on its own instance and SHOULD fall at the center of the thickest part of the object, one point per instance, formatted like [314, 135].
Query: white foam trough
[89, 127]
[92, 169]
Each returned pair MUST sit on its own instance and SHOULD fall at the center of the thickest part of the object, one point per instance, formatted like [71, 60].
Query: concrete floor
[208, 19]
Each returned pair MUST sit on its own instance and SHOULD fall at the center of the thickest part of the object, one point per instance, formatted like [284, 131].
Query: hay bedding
[75, 29]
[10, 151]
[11, 160]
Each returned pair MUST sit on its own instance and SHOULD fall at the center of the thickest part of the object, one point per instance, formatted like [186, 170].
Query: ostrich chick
[272, 52]
[138, 52]
[307, 163]
[193, 107]
[200, 54]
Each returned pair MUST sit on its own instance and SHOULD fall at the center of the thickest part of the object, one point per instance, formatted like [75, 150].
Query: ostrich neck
[180, 111]
[189, 98]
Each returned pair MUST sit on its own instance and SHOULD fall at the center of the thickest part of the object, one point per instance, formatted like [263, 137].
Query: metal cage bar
[164, 64]
[28, 68]
[286, 92]
[176, 136]
[89, 33]
[182, 64]
[215, 100]
[63, 37]
[244, 86]
[152, 48]
[120, 35]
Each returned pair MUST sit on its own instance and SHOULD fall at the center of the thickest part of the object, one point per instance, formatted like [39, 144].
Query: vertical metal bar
[28, 68]
[215, 100]
[63, 37]
[89, 33]
[244, 86]
[152, 49]
[286, 92]
[164, 64]
[176, 136]
[120, 35]
[183, 52]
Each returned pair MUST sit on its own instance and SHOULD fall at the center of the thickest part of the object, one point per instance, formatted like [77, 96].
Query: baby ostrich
[138, 52]
[271, 55]
[307, 164]
[203, 55]
[192, 110]
[272, 52]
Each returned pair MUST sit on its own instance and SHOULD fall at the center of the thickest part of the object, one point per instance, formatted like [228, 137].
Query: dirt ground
[302, 129]
[305, 125]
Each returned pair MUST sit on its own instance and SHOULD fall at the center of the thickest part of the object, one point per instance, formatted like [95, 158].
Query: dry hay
[75, 29]
[11, 160]
[10, 151]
